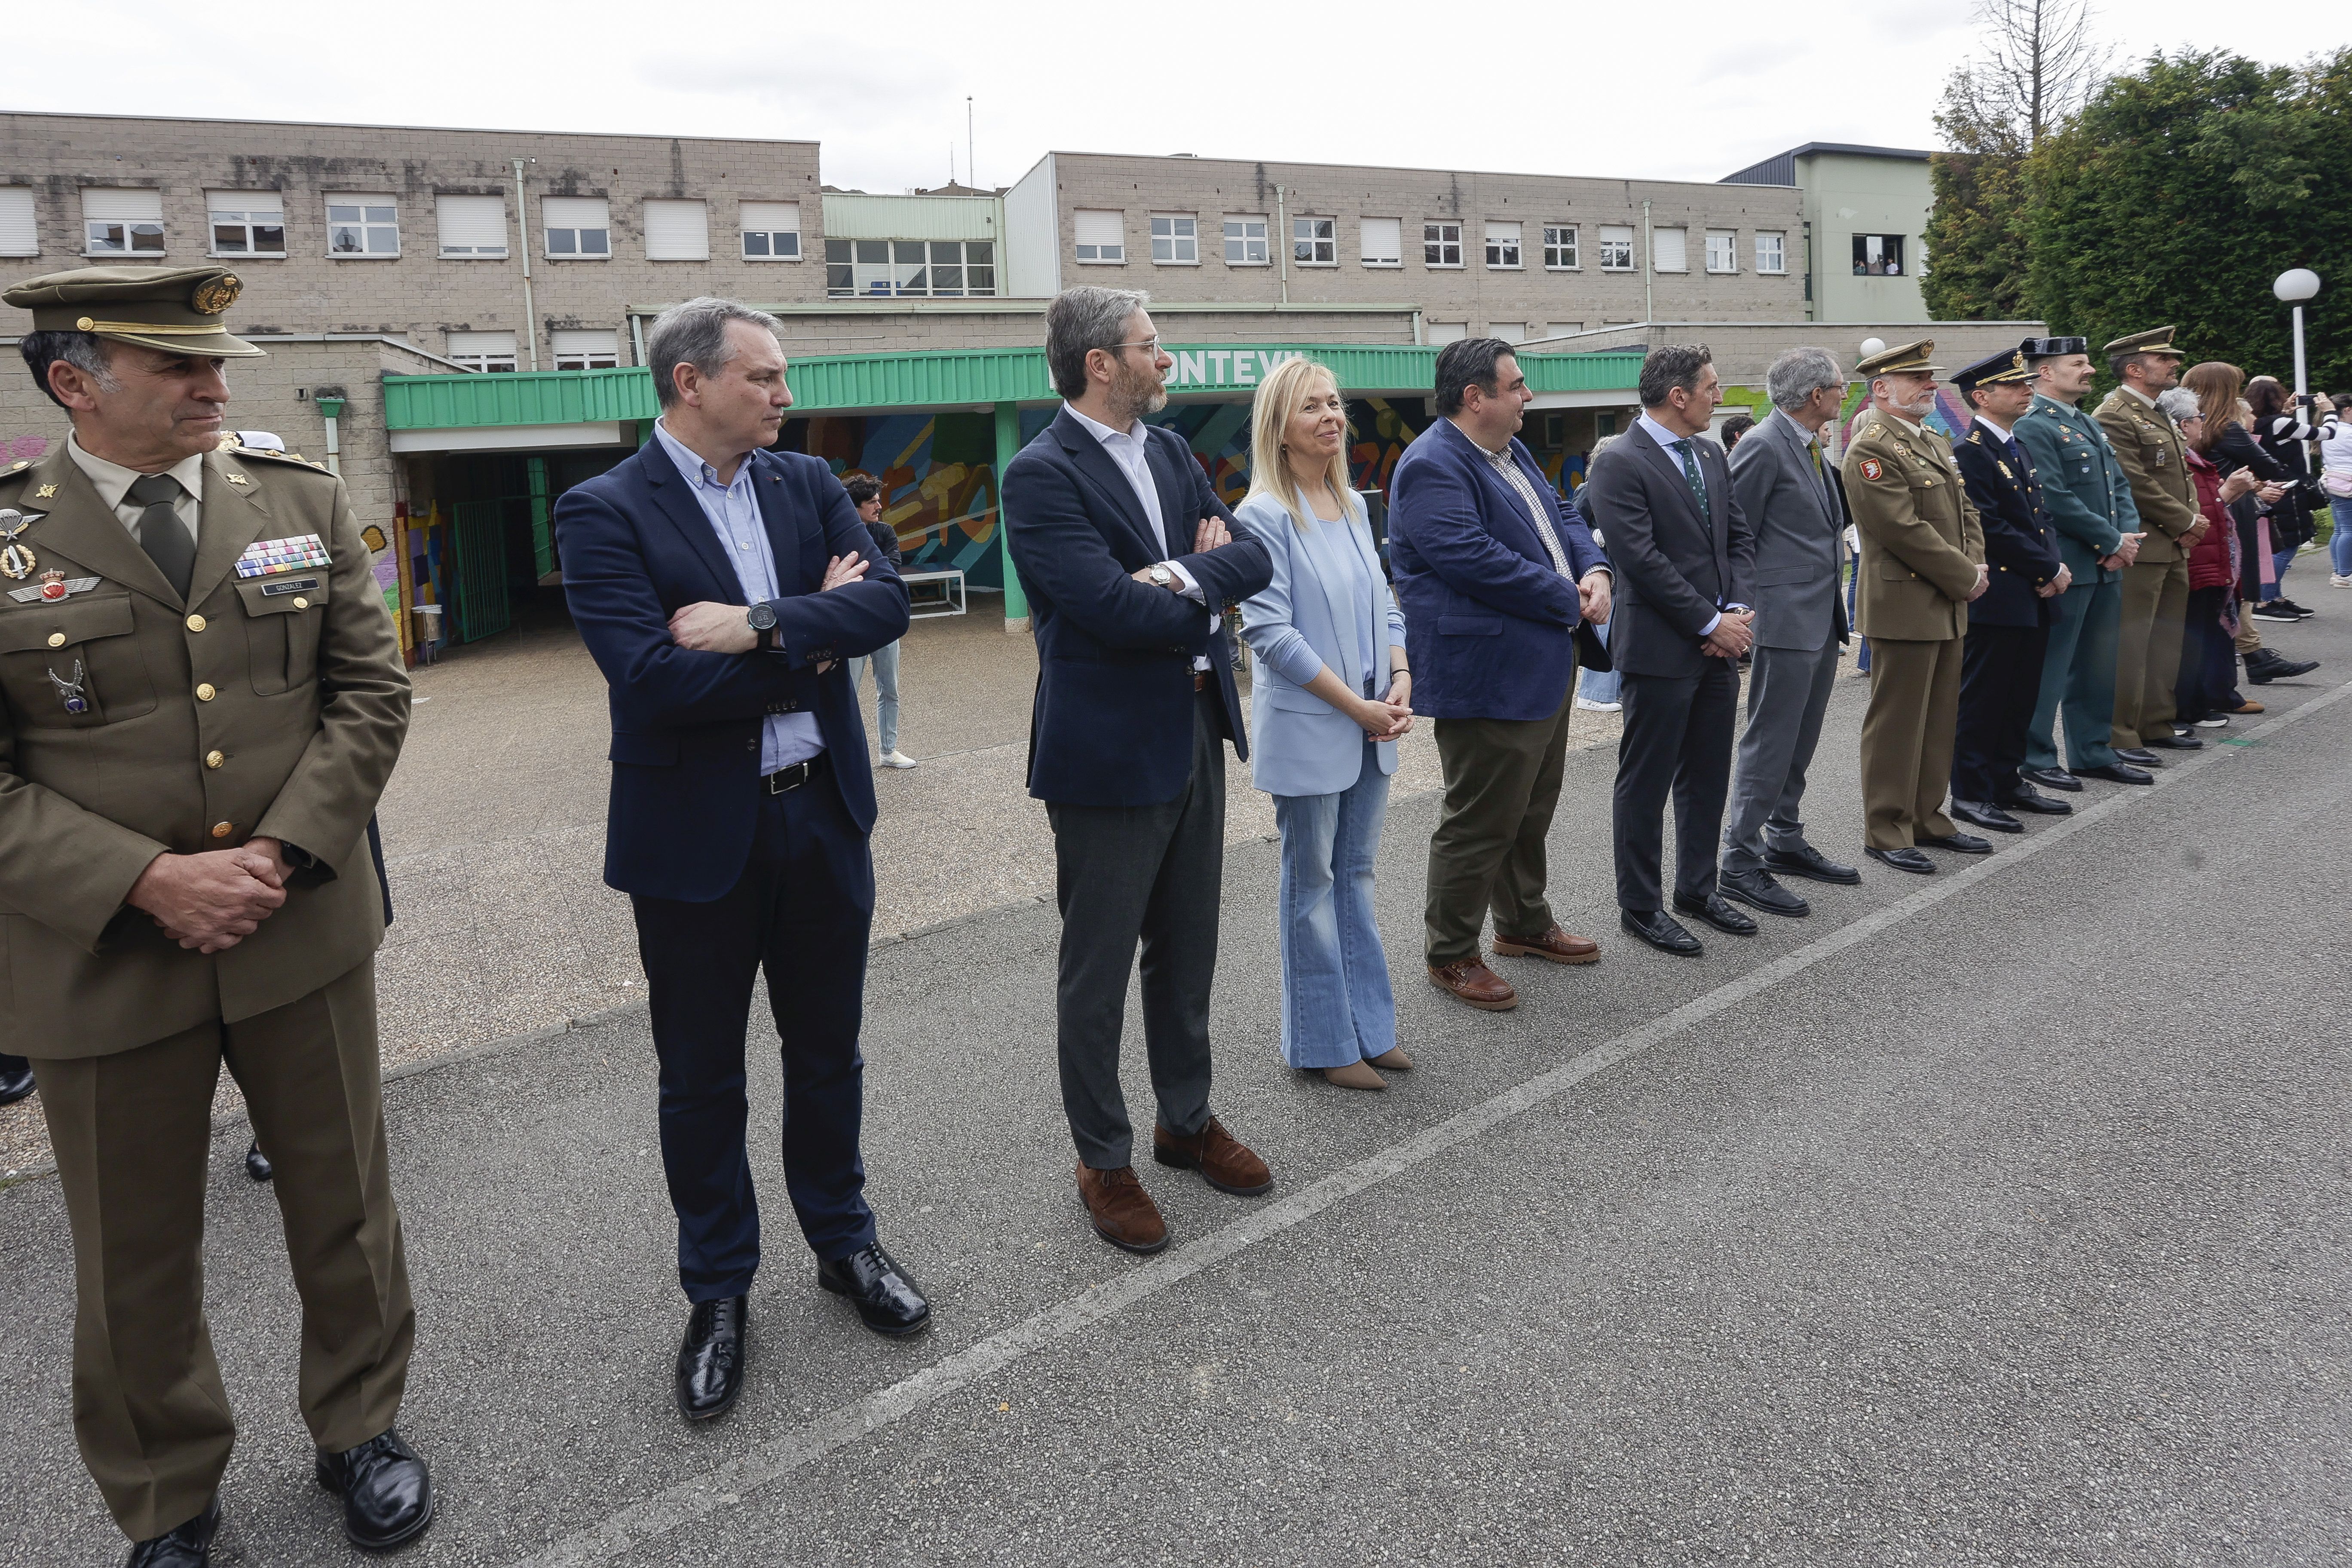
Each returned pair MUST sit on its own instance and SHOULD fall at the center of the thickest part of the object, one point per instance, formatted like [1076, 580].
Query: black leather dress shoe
[1716, 913]
[2027, 798]
[1985, 814]
[189, 1546]
[1661, 930]
[387, 1496]
[1758, 891]
[1808, 862]
[1904, 860]
[2139, 756]
[2052, 778]
[2120, 773]
[710, 1361]
[886, 1300]
[2171, 742]
[257, 1166]
[1958, 843]
[16, 1080]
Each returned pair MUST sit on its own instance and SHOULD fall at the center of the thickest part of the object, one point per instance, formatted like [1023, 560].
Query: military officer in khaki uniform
[201, 699]
[1922, 562]
[2149, 447]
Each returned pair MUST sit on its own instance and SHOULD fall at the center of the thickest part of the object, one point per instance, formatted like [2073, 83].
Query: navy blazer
[1489, 623]
[1676, 569]
[1112, 720]
[636, 545]
[2019, 546]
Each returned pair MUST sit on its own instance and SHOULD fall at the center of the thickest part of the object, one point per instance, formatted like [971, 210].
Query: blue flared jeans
[1337, 1006]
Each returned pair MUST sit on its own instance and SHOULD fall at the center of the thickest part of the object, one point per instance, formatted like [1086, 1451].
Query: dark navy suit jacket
[1112, 722]
[2020, 542]
[1489, 623]
[636, 545]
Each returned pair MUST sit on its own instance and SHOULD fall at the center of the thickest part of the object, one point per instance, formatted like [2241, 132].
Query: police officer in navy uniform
[2009, 628]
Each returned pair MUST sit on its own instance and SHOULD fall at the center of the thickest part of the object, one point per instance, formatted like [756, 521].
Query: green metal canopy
[841, 384]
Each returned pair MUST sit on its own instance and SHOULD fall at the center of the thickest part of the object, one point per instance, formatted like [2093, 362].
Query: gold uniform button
[300, 602]
[223, 829]
[195, 622]
[204, 693]
[214, 759]
[56, 639]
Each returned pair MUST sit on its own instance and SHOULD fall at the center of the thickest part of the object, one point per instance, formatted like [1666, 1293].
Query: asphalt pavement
[1990, 1217]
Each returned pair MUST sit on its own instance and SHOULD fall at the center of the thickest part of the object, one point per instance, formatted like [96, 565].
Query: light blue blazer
[1299, 625]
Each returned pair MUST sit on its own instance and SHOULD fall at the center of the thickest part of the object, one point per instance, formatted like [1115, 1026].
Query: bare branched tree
[2040, 60]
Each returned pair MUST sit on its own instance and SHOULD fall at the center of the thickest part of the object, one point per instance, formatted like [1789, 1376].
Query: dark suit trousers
[1678, 740]
[1147, 874]
[2000, 681]
[2208, 659]
[1502, 783]
[802, 912]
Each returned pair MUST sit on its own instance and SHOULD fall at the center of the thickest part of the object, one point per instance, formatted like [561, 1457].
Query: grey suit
[1675, 570]
[1799, 520]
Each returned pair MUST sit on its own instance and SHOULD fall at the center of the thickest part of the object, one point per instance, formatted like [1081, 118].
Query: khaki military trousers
[1908, 733]
[132, 1133]
[2147, 649]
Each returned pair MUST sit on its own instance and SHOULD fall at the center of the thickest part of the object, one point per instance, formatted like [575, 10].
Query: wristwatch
[762, 619]
[1162, 576]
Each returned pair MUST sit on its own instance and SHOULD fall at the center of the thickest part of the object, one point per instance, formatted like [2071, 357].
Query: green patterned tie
[1690, 472]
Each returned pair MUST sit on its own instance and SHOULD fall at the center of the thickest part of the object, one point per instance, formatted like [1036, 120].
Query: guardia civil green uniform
[1921, 546]
[2152, 456]
[136, 719]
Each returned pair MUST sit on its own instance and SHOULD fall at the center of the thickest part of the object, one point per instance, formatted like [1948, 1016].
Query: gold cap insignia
[217, 294]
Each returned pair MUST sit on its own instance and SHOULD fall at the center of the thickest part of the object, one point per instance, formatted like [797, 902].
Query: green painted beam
[839, 383]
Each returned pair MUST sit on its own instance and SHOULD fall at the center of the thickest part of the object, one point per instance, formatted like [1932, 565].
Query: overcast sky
[1633, 87]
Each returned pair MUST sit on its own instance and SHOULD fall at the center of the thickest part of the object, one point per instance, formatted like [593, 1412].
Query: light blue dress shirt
[734, 514]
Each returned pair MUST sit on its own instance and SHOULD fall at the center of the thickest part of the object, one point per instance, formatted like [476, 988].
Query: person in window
[866, 494]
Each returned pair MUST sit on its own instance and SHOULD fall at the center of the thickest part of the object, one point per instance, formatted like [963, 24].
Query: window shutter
[771, 217]
[578, 211]
[257, 204]
[1382, 239]
[1669, 249]
[473, 225]
[19, 233]
[122, 207]
[493, 343]
[1099, 228]
[678, 231]
[581, 342]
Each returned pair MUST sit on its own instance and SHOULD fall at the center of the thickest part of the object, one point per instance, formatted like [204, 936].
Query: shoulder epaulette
[294, 458]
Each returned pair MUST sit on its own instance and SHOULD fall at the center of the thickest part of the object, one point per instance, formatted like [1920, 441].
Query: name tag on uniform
[265, 557]
[294, 586]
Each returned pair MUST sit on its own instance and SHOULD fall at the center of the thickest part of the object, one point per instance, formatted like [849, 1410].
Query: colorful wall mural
[939, 482]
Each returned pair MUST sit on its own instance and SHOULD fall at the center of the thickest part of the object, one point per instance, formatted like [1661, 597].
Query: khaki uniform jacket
[1921, 541]
[2148, 446]
[272, 711]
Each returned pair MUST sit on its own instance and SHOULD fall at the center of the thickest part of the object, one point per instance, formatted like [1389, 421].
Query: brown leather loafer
[1223, 1160]
[1470, 979]
[1554, 945]
[1123, 1213]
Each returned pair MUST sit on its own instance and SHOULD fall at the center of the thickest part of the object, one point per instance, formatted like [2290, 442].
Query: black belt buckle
[783, 781]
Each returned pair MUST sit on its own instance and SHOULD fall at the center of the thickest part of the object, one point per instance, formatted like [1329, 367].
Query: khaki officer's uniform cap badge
[1908, 359]
[2156, 340]
[172, 309]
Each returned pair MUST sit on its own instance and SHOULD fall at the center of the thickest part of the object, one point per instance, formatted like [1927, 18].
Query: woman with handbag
[2335, 479]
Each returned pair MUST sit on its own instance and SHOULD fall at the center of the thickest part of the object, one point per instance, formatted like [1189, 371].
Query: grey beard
[1129, 397]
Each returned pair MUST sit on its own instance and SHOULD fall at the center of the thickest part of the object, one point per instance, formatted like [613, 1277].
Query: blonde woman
[1332, 693]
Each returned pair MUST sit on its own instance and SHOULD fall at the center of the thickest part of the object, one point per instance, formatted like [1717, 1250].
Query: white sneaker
[897, 760]
[2215, 722]
[1589, 706]
[2336, 581]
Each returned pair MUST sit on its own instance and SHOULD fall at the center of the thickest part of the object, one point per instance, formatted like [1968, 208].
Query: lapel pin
[44, 492]
[70, 691]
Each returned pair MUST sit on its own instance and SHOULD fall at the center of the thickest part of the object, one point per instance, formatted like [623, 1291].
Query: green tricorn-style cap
[173, 309]
[2157, 340]
[1909, 359]
[1993, 369]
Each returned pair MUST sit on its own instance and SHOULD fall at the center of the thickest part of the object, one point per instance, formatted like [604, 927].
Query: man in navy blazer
[1130, 559]
[721, 587]
[1492, 577]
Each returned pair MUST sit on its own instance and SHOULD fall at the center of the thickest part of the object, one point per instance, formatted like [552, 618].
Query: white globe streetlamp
[1873, 346]
[2294, 286]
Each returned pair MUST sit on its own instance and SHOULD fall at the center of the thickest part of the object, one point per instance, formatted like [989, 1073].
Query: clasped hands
[211, 901]
[1734, 634]
[2058, 585]
[1209, 534]
[2126, 552]
[708, 626]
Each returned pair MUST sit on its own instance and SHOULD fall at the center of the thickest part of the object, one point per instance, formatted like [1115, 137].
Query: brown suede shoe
[1223, 1160]
[1474, 983]
[1123, 1213]
[1555, 945]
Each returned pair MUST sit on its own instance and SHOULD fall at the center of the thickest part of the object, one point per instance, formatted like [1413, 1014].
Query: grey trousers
[1788, 692]
[1125, 873]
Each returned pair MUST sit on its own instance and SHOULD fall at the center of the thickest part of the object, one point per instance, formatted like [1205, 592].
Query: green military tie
[161, 532]
[1690, 472]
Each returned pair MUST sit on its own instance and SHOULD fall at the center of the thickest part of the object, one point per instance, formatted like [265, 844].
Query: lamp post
[2294, 286]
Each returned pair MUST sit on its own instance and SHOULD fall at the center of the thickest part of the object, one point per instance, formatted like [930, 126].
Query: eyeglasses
[1150, 343]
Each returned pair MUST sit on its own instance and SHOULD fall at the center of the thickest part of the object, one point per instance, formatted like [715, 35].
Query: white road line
[727, 1486]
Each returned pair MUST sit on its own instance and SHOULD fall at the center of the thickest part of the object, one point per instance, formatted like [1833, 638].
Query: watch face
[762, 617]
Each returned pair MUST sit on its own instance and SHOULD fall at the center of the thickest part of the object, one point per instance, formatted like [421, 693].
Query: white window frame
[442, 211]
[237, 210]
[574, 353]
[364, 204]
[1729, 242]
[127, 230]
[1098, 237]
[1559, 240]
[854, 268]
[1616, 245]
[1315, 241]
[1440, 334]
[476, 353]
[562, 216]
[20, 221]
[1246, 232]
[1440, 237]
[1504, 252]
[1777, 257]
[1176, 239]
[678, 206]
[1366, 227]
[759, 219]
[1660, 232]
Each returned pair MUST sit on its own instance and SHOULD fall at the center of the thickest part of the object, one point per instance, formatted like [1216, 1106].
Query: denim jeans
[2280, 562]
[1337, 1006]
[2339, 543]
[1861, 643]
[885, 660]
[1598, 684]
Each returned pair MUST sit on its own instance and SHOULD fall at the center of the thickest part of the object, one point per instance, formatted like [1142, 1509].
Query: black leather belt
[783, 781]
